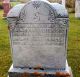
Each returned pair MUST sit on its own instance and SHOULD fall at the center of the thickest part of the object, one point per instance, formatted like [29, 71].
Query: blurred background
[70, 4]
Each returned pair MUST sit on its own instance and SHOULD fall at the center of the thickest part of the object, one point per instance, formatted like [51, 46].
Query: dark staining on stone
[38, 67]
[38, 74]
[30, 68]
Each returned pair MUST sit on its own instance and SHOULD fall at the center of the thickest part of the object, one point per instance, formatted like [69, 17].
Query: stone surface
[77, 8]
[39, 36]
[15, 11]
[25, 72]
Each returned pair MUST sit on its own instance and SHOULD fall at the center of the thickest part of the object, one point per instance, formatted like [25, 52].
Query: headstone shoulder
[15, 11]
[60, 9]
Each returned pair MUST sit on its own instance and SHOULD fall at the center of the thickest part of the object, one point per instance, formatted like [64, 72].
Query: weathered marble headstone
[38, 35]
[6, 7]
[77, 8]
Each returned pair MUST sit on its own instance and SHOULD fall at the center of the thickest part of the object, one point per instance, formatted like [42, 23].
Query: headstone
[6, 7]
[77, 8]
[38, 35]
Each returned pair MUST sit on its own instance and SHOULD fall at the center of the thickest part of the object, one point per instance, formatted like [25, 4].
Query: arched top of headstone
[15, 11]
[59, 10]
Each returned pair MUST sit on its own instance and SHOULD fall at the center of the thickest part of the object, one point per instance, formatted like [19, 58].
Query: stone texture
[25, 72]
[39, 36]
[77, 8]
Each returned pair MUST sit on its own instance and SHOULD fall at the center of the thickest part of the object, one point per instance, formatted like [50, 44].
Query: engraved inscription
[42, 34]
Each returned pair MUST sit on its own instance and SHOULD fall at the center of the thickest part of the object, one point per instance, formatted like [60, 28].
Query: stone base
[25, 72]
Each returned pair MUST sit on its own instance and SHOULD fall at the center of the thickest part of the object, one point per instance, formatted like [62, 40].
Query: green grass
[73, 46]
[5, 56]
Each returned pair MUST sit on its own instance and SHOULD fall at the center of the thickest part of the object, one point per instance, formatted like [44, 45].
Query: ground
[73, 46]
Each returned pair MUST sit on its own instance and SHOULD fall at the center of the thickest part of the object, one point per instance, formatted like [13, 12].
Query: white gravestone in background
[64, 2]
[38, 34]
[77, 8]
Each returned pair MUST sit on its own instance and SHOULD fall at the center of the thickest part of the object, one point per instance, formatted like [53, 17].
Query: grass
[5, 56]
[73, 46]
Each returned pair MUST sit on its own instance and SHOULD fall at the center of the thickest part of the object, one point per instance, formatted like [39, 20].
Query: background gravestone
[64, 2]
[38, 37]
[77, 8]
[6, 7]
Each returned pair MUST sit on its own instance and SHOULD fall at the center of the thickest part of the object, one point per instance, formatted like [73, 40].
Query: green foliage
[73, 46]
